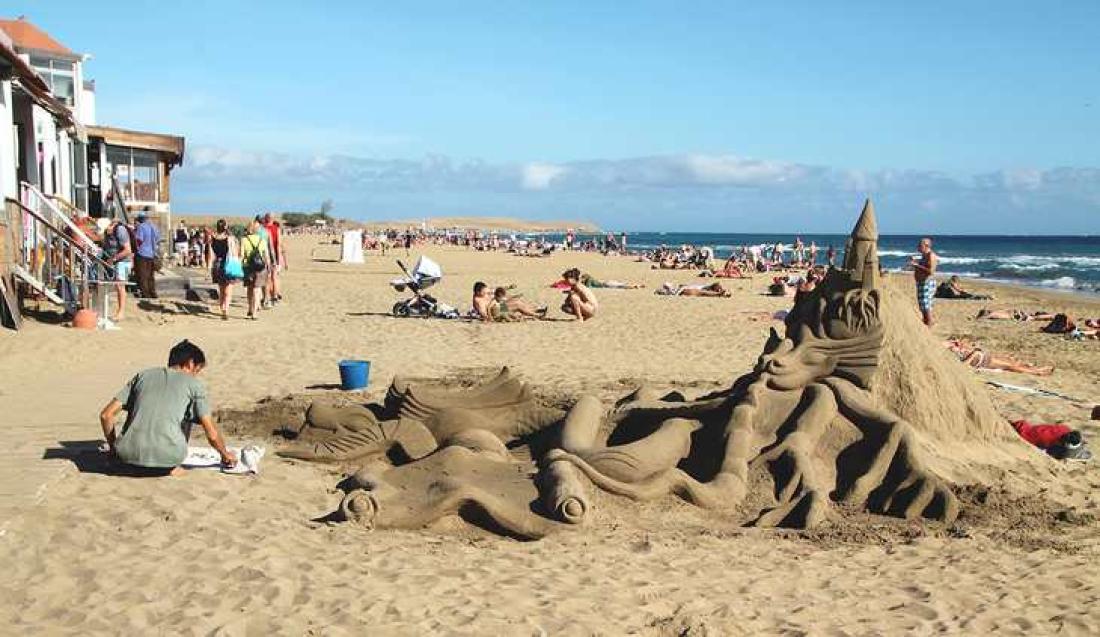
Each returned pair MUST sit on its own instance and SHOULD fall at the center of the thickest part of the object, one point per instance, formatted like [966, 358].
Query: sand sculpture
[801, 430]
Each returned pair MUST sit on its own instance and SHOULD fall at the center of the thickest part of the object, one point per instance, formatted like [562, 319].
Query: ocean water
[1064, 263]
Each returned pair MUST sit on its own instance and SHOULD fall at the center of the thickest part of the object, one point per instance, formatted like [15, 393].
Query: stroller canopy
[425, 268]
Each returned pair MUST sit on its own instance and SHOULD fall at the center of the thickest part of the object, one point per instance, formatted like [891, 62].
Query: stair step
[37, 285]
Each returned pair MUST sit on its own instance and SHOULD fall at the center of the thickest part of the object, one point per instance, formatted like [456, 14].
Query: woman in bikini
[976, 357]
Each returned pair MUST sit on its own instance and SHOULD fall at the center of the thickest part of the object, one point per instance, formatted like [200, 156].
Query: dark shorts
[134, 471]
[256, 279]
[217, 272]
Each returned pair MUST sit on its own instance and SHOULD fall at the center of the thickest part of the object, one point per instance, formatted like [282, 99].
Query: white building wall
[86, 113]
[9, 186]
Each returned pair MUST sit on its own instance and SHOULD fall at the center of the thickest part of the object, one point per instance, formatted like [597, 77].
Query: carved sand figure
[771, 425]
[423, 418]
[804, 428]
[442, 453]
[473, 476]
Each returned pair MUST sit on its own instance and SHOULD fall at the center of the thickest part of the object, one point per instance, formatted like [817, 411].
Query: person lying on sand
[1058, 440]
[952, 289]
[1013, 315]
[713, 290]
[579, 299]
[978, 358]
[161, 405]
[592, 282]
[732, 269]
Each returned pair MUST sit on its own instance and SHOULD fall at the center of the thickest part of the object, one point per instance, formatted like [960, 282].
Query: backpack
[256, 261]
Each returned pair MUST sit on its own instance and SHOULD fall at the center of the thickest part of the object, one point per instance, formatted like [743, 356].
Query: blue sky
[954, 116]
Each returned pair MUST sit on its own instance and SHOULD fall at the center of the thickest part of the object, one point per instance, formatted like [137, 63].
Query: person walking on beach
[119, 254]
[147, 237]
[161, 405]
[257, 262]
[924, 272]
[830, 256]
[181, 243]
[222, 246]
[278, 257]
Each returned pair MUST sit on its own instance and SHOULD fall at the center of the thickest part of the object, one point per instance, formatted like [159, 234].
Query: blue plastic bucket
[354, 374]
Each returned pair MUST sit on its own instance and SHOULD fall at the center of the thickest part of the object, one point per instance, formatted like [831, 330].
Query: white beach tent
[352, 249]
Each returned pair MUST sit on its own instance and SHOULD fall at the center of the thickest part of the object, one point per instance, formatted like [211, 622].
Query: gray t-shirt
[161, 405]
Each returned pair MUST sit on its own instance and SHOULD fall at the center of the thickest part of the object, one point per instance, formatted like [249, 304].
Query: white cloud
[538, 175]
[1062, 197]
[735, 171]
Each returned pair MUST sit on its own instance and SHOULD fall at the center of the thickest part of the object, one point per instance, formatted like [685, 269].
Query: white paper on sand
[248, 459]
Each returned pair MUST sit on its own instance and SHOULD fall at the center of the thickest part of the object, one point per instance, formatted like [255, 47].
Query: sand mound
[924, 384]
[951, 414]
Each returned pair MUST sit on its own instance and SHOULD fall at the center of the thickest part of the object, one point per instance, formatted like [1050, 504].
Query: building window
[59, 75]
[145, 175]
[137, 172]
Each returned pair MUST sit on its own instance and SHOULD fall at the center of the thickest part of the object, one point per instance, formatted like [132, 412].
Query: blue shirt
[147, 238]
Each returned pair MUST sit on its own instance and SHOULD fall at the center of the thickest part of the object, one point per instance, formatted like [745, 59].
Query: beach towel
[1033, 390]
[248, 459]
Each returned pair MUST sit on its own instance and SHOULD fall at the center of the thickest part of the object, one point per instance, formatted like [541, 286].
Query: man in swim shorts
[924, 271]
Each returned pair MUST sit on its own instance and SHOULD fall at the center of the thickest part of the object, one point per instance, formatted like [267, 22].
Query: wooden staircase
[49, 256]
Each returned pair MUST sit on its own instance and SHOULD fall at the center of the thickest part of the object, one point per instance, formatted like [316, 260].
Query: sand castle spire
[861, 254]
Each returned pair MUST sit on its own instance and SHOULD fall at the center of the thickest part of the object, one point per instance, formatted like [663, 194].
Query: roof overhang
[172, 145]
[52, 54]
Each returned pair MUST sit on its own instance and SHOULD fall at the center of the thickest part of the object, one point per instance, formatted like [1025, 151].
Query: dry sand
[211, 554]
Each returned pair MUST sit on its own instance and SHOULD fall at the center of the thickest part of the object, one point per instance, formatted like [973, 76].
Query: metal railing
[57, 260]
[48, 209]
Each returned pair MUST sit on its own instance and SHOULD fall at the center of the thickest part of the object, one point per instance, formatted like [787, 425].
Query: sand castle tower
[861, 249]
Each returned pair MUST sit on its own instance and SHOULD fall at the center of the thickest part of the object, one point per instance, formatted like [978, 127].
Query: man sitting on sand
[579, 300]
[978, 358]
[481, 301]
[161, 405]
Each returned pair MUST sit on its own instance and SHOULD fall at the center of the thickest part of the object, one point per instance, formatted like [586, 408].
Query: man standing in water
[924, 272]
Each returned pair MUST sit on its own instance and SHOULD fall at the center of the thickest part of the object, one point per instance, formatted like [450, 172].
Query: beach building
[57, 162]
[75, 158]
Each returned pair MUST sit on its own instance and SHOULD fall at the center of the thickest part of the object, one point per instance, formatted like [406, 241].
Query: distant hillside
[465, 223]
[488, 223]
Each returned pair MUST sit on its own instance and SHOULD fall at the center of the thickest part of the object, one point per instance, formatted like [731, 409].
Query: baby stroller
[425, 274]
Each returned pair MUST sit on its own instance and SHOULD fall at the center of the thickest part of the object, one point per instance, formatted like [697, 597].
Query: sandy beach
[211, 554]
